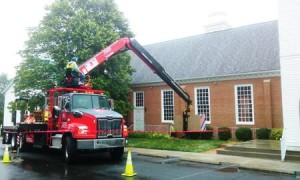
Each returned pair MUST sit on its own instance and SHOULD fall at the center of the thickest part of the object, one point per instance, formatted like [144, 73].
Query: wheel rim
[21, 142]
[66, 153]
[13, 141]
[6, 138]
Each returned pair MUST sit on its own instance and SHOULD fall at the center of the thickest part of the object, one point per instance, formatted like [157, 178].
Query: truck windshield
[84, 101]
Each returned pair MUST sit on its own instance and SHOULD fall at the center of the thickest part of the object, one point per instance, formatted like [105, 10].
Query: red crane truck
[80, 118]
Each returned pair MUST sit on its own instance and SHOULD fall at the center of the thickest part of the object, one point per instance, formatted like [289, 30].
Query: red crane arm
[125, 44]
[104, 55]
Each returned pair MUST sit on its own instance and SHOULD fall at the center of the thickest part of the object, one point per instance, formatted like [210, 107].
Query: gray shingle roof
[247, 49]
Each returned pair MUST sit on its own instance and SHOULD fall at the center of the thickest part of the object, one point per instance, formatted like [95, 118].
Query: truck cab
[89, 123]
[89, 116]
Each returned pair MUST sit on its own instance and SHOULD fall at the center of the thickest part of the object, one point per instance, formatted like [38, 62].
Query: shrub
[224, 133]
[159, 135]
[263, 133]
[275, 134]
[179, 135]
[200, 135]
[207, 135]
[137, 134]
[243, 134]
[192, 135]
[152, 135]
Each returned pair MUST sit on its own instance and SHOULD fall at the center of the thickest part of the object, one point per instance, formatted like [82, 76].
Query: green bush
[179, 135]
[263, 133]
[243, 133]
[137, 134]
[159, 136]
[207, 135]
[276, 134]
[200, 135]
[192, 135]
[152, 135]
[224, 133]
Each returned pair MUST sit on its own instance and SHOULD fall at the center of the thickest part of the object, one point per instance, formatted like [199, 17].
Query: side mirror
[77, 114]
[111, 104]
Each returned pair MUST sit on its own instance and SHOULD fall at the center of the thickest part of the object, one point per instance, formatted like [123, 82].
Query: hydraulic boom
[124, 44]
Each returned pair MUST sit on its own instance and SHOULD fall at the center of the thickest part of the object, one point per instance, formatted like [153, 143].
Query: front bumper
[101, 143]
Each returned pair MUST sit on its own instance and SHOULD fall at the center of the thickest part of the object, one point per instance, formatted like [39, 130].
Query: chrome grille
[108, 128]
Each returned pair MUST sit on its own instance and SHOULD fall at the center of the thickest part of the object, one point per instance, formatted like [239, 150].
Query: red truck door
[65, 111]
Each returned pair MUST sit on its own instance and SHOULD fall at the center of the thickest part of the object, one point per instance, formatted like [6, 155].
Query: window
[244, 104]
[139, 99]
[202, 102]
[167, 105]
[100, 102]
[86, 101]
[65, 102]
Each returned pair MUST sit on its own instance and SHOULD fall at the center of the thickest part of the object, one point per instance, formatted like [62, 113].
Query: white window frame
[134, 100]
[162, 106]
[208, 117]
[236, 104]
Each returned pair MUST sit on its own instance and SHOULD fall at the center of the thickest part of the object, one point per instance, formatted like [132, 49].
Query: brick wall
[267, 102]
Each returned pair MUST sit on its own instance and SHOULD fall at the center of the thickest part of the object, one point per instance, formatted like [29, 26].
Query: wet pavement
[49, 165]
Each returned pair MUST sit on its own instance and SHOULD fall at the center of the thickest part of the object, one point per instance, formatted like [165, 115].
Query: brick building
[232, 76]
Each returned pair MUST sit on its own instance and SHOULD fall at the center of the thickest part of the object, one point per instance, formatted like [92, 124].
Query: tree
[4, 81]
[75, 27]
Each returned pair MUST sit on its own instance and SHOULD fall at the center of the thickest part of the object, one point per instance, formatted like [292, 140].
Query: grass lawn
[187, 145]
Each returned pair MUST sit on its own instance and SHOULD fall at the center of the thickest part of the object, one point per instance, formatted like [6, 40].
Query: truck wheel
[116, 153]
[24, 146]
[6, 138]
[13, 142]
[69, 150]
[21, 142]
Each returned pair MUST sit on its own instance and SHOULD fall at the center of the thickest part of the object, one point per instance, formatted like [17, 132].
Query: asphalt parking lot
[49, 165]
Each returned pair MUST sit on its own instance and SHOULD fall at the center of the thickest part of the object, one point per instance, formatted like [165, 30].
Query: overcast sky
[151, 20]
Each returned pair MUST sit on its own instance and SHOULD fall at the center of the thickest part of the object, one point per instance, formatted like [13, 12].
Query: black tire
[24, 146]
[69, 150]
[5, 138]
[116, 153]
[22, 143]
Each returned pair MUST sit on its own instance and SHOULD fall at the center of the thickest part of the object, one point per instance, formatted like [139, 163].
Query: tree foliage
[75, 27]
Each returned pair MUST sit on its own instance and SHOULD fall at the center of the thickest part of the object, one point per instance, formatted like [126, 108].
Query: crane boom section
[125, 44]
[158, 69]
[103, 55]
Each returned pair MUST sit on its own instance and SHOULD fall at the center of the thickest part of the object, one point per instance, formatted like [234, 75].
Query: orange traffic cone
[129, 167]
[6, 155]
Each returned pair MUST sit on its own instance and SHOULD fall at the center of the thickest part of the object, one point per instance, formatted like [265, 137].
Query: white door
[138, 112]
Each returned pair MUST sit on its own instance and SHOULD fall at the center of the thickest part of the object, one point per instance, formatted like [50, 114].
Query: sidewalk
[211, 158]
